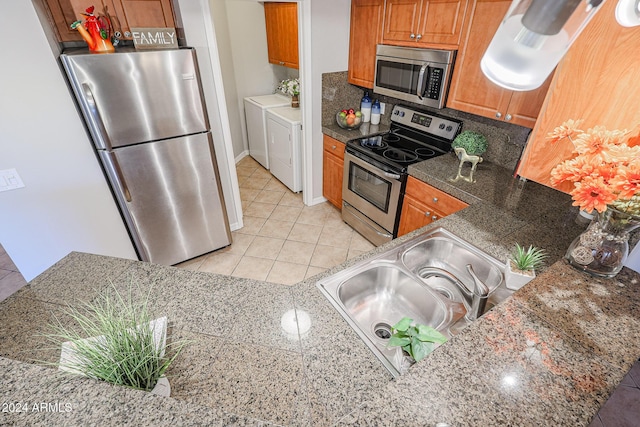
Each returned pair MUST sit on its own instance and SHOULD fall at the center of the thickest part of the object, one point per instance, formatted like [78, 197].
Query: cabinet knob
[435, 200]
[507, 117]
[434, 218]
[127, 34]
[333, 147]
[419, 36]
[428, 213]
[498, 115]
[412, 36]
[281, 63]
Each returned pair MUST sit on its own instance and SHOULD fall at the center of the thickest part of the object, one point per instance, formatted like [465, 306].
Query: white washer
[284, 136]
[254, 111]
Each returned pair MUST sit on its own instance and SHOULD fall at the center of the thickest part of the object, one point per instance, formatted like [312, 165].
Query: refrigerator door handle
[119, 177]
[96, 118]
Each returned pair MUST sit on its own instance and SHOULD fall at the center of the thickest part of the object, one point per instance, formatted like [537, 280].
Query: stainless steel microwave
[421, 76]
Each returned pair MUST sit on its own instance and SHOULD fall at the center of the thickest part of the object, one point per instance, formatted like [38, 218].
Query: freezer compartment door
[170, 196]
[132, 97]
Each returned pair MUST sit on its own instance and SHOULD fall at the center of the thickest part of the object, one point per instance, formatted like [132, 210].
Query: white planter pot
[162, 387]
[514, 279]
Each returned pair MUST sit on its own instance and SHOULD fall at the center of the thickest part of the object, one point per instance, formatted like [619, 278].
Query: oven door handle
[392, 175]
[421, 80]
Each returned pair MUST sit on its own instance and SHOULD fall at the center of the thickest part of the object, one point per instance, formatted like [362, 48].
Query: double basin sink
[437, 279]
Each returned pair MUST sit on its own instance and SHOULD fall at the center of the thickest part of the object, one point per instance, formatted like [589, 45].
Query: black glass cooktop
[409, 141]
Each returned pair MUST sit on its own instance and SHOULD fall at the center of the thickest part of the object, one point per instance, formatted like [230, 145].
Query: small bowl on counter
[349, 120]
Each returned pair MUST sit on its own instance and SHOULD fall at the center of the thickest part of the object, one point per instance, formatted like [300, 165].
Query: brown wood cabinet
[281, 20]
[366, 32]
[332, 170]
[424, 23]
[470, 90]
[597, 81]
[124, 14]
[424, 204]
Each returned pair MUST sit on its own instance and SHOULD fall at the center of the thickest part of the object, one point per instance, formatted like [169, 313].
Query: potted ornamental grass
[114, 339]
[521, 266]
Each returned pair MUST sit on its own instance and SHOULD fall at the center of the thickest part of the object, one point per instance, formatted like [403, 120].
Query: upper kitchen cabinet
[282, 33]
[597, 81]
[142, 13]
[366, 33]
[123, 14]
[470, 90]
[424, 23]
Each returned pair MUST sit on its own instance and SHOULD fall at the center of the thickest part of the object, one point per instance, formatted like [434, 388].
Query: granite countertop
[550, 355]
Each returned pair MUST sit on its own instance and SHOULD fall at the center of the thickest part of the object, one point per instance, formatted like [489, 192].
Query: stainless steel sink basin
[429, 279]
[376, 295]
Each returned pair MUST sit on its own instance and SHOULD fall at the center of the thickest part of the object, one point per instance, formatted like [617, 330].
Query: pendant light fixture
[628, 13]
[533, 37]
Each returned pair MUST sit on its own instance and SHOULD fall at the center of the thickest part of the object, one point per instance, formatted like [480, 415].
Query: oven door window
[398, 76]
[369, 186]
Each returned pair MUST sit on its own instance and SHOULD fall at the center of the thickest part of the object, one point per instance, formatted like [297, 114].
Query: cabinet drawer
[333, 146]
[432, 197]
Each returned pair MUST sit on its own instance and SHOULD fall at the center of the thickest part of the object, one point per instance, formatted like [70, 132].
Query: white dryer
[255, 108]
[284, 135]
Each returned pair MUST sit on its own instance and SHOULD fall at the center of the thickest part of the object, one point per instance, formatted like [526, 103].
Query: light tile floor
[282, 241]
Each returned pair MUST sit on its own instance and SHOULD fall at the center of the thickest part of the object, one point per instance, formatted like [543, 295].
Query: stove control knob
[449, 128]
[401, 113]
[441, 126]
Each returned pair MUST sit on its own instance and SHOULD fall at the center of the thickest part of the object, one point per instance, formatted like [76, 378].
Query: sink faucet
[475, 300]
[478, 296]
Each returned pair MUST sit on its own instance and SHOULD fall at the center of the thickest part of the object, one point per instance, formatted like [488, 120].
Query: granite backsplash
[506, 141]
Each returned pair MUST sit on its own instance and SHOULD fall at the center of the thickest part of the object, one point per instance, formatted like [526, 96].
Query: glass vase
[602, 248]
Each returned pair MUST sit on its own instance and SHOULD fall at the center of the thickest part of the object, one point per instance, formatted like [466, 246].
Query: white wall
[252, 74]
[66, 204]
[329, 47]
[225, 52]
[200, 34]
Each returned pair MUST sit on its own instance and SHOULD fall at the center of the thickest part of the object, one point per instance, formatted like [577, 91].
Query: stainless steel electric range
[375, 169]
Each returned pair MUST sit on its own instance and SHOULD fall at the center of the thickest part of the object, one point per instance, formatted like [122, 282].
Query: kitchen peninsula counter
[550, 355]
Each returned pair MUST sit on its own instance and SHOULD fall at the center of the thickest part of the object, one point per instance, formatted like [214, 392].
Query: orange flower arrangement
[605, 167]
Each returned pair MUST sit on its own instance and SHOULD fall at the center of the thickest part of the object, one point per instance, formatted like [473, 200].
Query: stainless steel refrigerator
[146, 115]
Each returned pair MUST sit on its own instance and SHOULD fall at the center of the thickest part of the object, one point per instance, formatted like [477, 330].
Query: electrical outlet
[382, 105]
[10, 180]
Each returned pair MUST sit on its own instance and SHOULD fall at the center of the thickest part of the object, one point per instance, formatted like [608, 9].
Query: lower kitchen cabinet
[424, 204]
[332, 170]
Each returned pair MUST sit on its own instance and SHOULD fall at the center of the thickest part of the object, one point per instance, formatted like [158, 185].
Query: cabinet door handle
[412, 36]
[498, 115]
[507, 117]
[419, 36]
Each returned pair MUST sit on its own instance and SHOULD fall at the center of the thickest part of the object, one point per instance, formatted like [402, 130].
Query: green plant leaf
[429, 334]
[420, 349]
[398, 341]
[403, 324]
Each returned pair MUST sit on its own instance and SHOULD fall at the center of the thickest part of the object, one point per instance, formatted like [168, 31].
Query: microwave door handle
[421, 81]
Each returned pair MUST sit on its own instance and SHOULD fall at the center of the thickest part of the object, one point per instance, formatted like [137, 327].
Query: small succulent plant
[527, 259]
[474, 143]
